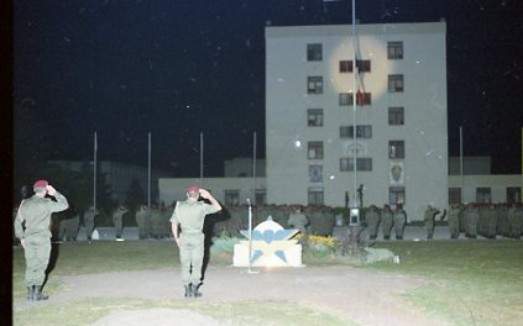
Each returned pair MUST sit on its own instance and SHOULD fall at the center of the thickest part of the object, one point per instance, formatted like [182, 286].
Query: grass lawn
[472, 283]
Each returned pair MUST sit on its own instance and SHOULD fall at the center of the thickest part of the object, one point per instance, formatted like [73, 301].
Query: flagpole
[201, 158]
[461, 159]
[354, 100]
[149, 171]
[254, 168]
[94, 169]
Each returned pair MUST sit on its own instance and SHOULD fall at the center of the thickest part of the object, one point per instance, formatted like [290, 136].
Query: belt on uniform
[191, 232]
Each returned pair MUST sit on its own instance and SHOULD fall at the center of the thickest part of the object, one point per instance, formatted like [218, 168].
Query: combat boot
[37, 294]
[188, 291]
[195, 292]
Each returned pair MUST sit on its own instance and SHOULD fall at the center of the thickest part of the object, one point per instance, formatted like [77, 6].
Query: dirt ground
[363, 296]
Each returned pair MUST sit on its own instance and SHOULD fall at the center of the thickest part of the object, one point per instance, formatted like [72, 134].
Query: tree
[135, 195]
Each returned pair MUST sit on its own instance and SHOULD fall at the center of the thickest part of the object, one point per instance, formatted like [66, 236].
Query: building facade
[398, 118]
[377, 102]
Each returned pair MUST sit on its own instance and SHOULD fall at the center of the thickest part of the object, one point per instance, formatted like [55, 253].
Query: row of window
[232, 197]
[396, 195]
[396, 150]
[395, 85]
[484, 195]
[396, 117]
[394, 52]
[315, 118]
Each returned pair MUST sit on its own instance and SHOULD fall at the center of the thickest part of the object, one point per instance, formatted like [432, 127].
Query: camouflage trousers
[191, 257]
[386, 225]
[454, 227]
[37, 252]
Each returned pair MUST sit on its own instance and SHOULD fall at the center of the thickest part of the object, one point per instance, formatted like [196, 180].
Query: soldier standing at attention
[372, 217]
[118, 221]
[471, 217]
[400, 220]
[190, 215]
[143, 220]
[32, 228]
[89, 216]
[386, 221]
[454, 220]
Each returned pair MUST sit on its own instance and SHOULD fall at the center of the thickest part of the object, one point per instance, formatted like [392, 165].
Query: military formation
[486, 220]
[389, 219]
[472, 220]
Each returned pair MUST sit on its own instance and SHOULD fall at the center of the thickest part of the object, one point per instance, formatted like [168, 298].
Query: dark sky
[178, 68]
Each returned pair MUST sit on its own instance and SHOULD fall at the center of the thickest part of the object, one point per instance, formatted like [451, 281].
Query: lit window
[396, 149]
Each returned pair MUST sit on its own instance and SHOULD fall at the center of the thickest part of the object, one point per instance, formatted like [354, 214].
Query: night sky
[178, 68]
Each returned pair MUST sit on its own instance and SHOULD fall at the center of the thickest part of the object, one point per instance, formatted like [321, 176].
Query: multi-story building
[400, 123]
[391, 143]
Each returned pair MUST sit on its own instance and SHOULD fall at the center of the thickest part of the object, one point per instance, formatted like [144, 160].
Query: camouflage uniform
[143, 221]
[118, 221]
[400, 220]
[471, 217]
[69, 226]
[454, 217]
[32, 227]
[372, 217]
[515, 220]
[429, 217]
[89, 217]
[491, 215]
[386, 221]
[502, 221]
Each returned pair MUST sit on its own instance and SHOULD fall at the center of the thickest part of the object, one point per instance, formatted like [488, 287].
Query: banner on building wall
[396, 174]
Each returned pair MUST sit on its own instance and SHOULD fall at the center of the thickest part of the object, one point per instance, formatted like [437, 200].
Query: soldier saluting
[32, 228]
[190, 215]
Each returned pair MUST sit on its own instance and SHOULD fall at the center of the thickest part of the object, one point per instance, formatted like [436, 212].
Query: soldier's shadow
[208, 230]
[53, 258]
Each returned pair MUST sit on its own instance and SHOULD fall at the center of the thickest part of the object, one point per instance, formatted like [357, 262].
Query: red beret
[40, 184]
[192, 188]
